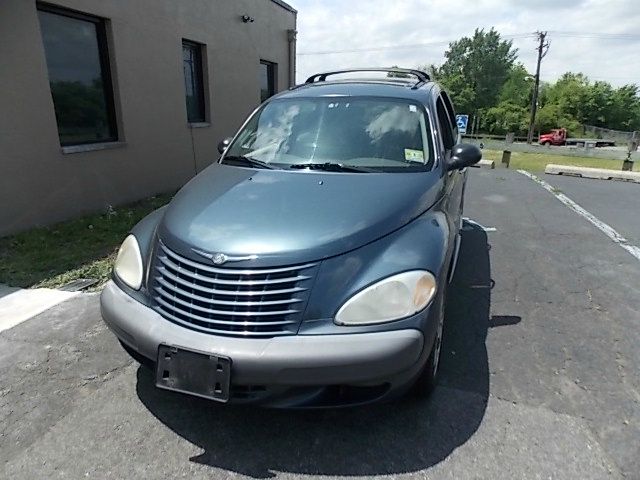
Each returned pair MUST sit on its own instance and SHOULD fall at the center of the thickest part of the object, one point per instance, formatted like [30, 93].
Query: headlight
[390, 299]
[128, 264]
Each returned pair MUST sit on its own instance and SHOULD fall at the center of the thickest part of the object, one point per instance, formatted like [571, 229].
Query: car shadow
[403, 436]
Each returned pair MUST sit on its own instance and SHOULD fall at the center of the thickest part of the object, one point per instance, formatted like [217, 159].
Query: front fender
[144, 231]
[421, 244]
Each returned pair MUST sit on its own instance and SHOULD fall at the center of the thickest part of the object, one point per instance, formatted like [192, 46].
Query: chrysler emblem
[221, 258]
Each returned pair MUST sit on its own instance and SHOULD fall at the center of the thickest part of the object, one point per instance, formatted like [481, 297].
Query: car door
[454, 179]
[462, 177]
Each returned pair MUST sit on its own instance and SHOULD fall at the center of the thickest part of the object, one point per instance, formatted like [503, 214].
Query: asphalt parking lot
[615, 202]
[539, 379]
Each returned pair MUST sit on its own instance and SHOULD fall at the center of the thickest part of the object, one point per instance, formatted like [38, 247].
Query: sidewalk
[18, 304]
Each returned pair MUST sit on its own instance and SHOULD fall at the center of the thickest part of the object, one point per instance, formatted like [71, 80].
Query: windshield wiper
[330, 167]
[246, 161]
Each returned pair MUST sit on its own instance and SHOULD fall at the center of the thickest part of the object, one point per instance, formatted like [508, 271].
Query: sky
[600, 38]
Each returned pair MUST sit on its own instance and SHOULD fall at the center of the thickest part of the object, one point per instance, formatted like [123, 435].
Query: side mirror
[464, 155]
[222, 146]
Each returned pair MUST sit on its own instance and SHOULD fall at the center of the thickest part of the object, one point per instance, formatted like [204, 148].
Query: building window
[267, 80]
[75, 48]
[193, 81]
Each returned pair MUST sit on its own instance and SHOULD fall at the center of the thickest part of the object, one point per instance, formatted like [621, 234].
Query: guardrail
[611, 153]
[482, 136]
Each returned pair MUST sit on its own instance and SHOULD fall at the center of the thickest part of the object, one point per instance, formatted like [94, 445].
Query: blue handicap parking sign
[462, 121]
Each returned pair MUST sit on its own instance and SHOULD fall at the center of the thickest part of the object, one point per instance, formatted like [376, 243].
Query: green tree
[506, 117]
[518, 87]
[551, 116]
[625, 113]
[511, 114]
[482, 77]
[600, 104]
[571, 94]
[573, 100]
[475, 69]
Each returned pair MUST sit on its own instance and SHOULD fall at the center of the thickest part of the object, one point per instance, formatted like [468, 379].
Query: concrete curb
[485, 164]
[18, 305]
[598, 173]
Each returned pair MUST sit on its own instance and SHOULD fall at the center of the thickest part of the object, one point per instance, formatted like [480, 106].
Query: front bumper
[390, 358]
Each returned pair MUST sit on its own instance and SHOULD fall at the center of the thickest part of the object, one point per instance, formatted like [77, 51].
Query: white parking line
[477, 225]
[18, 305]
[599, 224]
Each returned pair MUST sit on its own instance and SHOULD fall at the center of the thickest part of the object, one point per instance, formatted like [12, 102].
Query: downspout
[291, 37]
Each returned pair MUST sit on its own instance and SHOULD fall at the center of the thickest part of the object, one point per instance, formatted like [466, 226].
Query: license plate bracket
[202, 374]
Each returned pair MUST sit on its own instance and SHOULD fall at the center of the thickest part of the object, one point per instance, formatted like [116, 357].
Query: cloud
[330, 25]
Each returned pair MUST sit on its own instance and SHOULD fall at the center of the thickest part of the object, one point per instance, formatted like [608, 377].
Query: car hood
[287, 217]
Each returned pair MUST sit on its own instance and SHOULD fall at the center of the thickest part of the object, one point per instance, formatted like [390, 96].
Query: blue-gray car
[309, 266]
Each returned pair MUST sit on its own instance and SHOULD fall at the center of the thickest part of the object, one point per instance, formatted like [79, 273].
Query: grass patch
[82, 248]
[536, 162]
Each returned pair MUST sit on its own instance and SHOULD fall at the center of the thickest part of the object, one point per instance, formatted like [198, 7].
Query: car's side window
[446, 130]
[452, 113]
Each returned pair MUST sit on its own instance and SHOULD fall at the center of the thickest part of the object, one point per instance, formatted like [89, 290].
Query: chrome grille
[229, 301]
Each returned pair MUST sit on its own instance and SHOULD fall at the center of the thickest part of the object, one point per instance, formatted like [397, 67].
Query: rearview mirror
[222, 146]
[464, 155]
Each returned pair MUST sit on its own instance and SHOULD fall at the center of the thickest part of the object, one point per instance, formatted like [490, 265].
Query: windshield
[368, 134]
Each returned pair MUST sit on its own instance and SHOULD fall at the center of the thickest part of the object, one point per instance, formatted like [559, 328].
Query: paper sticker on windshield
[413, 155]
[413, 108]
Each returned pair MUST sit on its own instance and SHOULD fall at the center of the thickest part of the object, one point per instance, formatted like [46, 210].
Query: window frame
[199, 65]
[452, 115]
[445, 123]
[105, 69]
[272, 68]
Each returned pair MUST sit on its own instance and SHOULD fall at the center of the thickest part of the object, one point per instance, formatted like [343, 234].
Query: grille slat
[229, 301]
[248, 283]
[248, 313]
[169, 290]
[167, 307]
[225, 271]
[233, 293]
[216, 331]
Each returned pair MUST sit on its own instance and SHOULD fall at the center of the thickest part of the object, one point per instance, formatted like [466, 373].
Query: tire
[546, 144]
[428, 378]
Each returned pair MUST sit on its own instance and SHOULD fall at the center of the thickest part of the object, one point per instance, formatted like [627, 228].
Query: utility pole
[543, 48]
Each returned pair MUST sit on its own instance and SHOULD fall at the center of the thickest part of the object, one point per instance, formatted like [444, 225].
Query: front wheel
[546, 144]
[428, 378]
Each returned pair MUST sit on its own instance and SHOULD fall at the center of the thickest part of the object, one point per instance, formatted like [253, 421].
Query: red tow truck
[558, 136]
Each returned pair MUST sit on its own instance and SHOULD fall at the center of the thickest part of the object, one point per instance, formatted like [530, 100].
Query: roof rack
[422, 77]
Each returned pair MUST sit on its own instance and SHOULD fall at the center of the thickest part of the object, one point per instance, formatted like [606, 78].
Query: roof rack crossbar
[422, 77]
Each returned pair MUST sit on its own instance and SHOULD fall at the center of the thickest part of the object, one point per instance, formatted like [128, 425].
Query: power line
[375, 49]
[555, 75]
[556, 33]
[402, 46]
[599, 35]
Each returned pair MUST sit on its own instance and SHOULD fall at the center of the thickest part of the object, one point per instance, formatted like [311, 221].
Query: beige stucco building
[103, 102]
